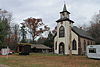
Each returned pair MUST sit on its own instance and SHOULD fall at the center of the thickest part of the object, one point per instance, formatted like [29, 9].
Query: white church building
[70, 39]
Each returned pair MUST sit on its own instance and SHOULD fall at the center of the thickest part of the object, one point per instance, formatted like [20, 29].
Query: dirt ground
[1, 65]
[45, 60]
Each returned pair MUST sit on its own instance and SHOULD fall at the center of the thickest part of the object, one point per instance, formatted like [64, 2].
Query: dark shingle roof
[64, 19]
[81, 32]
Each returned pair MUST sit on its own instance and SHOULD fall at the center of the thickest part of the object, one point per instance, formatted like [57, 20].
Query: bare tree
[94, 28]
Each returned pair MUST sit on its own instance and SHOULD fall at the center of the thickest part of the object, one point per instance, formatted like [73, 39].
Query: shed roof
[24, 44]
[40, 46]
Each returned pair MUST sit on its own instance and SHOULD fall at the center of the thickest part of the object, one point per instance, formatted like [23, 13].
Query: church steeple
[64, 15]
[64, 8]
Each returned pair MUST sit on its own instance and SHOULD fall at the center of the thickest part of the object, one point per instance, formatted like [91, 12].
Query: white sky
[81, 10]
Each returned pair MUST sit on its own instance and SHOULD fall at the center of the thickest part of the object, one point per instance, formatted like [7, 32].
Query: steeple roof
[64, 15]
[65, 9]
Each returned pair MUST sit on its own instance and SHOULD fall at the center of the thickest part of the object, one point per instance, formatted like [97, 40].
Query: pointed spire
[64, 9]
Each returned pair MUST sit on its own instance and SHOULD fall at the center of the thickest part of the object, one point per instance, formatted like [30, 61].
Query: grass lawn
[48, 60]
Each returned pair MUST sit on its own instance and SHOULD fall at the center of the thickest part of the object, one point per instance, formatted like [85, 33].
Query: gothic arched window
[56, 46]
[61, 31]
[84, 45]
[74, 46]
[88, 43]
[91, 42]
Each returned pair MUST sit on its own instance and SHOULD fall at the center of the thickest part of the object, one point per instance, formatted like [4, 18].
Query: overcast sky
[81, 10]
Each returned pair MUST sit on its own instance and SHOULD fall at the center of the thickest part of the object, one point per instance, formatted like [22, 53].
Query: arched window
[84, 45]
[56, 46]
[74, 46]
[91, 42]
[88, 43]
[61, 31]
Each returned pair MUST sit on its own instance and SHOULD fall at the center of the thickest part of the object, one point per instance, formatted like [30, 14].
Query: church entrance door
[61, 48]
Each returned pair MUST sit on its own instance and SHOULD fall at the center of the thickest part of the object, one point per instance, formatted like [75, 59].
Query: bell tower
[63, 38]
[64, 13]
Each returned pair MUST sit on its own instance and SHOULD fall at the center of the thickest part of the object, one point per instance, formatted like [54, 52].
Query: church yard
[48, 60]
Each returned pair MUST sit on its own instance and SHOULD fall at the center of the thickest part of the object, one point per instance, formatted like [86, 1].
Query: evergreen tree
[23, 33]
[4, 31]
[49, 41]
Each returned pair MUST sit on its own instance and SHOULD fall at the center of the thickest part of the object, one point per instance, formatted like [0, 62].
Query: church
[70, 39]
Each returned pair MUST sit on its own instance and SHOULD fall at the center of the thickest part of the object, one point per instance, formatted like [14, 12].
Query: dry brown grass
[48, 60]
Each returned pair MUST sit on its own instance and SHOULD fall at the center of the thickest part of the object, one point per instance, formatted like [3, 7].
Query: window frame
[74, 45]
[61, 31]
[92, 50]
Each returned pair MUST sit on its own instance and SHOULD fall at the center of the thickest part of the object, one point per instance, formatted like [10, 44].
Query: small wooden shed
[24, 48]
[40, 48]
